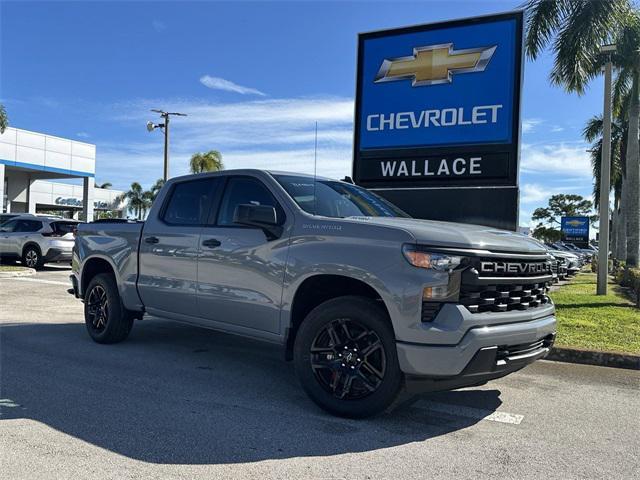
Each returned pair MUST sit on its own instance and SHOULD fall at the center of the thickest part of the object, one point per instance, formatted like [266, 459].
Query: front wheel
[106, 319]
[345, 357]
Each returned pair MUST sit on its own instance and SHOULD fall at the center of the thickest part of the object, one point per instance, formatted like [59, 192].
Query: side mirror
[261, 216]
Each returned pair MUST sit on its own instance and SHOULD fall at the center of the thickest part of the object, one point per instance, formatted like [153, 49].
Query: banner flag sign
[438, 106]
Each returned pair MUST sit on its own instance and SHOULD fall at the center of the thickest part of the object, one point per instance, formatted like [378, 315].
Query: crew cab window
[189, 202]
[244, 191]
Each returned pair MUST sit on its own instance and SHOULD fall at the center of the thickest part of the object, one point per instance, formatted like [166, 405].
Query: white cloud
[277, 134]
[82, 135]
[557, 128]
[217, 83]
[529, 124]
[566, 159]
[158, 25]
[540, 193]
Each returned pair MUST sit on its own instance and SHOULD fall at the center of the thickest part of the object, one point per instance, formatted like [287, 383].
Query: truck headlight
[441, 262]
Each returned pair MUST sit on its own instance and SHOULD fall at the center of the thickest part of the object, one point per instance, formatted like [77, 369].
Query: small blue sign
[449, 85]
[575, 229]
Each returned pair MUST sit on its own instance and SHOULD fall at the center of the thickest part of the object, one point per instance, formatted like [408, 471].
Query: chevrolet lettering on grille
[514, 267]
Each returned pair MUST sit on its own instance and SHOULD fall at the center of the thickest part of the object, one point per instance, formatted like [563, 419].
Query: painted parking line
[37, 280]
[473, 413]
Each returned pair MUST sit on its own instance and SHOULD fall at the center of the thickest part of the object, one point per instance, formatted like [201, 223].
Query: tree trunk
[633, 174]
[621, 252]
[615, 219]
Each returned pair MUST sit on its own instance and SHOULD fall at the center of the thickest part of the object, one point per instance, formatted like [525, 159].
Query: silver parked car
[37, 240]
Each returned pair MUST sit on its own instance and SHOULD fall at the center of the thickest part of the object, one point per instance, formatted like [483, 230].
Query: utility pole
[605, 175]
[165, 130]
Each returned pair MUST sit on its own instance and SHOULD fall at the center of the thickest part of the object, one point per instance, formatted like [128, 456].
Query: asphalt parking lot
[178, 402]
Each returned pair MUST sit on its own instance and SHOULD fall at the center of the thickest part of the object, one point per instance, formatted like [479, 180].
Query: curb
[591, 357]
[26, 272]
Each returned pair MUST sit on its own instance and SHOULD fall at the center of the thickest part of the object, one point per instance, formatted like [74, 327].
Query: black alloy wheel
[97, 308]
[348, 359]
[105, 317]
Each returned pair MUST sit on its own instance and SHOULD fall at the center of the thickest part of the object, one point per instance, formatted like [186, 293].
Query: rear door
[169, 248]
[240, 270]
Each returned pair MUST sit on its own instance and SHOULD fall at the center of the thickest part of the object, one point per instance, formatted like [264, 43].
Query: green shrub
[630, 278]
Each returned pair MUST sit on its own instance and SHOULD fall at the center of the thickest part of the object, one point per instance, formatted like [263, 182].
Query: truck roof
[253, 171]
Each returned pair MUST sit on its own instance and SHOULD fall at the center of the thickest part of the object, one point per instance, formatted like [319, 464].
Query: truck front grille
[503, 298]
[506, 284]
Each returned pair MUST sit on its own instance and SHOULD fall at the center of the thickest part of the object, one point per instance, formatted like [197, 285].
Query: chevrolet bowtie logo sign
[576, 223]
[434, 64]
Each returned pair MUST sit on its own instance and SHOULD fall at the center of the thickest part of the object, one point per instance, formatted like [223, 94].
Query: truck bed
[117, 242]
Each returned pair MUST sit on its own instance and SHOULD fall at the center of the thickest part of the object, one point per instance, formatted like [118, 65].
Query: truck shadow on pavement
[174, 394]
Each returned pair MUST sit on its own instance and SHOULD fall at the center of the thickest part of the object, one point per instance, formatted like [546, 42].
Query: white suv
[37, 240]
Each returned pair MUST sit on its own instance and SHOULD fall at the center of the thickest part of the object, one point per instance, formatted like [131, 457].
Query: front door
[169, 248]
[240, 269]
[6, 237]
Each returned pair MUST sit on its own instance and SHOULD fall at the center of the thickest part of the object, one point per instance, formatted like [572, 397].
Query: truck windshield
[336, 199]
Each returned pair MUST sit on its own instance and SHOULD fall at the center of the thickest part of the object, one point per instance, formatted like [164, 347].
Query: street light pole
[605, 176]
[165, 130]
[166, 146]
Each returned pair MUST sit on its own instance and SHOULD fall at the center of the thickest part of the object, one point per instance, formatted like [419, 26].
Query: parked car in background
[573, 262]
[36, 240]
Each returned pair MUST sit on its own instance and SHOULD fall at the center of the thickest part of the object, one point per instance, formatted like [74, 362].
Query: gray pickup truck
[371, 305]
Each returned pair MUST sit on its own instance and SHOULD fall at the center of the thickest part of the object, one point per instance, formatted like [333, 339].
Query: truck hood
[459, 235]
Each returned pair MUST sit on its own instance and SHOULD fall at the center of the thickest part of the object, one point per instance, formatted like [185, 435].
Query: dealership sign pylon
[437, 124]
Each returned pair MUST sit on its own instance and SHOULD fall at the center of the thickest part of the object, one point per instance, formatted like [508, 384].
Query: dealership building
[30, 164]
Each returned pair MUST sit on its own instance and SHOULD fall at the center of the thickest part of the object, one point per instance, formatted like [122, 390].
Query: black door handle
[151, 240]
[211, 243]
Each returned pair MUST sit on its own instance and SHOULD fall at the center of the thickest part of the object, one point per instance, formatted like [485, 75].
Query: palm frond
[588, 25]
[542, 20]
[592, 129]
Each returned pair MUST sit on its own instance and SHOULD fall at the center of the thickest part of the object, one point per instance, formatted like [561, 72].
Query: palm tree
[593, 133]
[106, 185]
[4, 119]
[627, 58]
[210, 161]
[138, 202]
[577, 29]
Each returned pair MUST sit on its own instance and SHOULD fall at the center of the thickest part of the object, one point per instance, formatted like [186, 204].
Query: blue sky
[254, 77]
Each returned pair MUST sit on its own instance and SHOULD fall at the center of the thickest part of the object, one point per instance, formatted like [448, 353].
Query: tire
[105, 317]
[325, 372]
[32, 257]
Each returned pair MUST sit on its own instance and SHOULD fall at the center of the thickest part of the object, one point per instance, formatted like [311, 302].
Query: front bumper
[478, 350]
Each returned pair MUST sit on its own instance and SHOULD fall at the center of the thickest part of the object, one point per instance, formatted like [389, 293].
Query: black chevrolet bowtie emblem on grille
[515, 267]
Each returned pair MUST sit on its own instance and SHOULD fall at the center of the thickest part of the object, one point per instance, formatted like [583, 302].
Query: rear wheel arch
[320, 288]
[92, 267]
